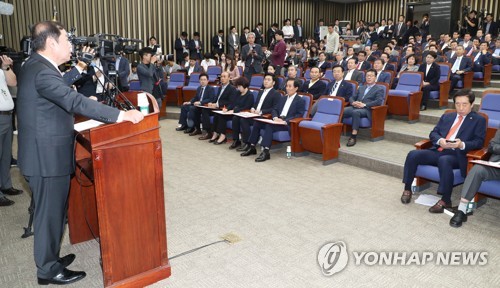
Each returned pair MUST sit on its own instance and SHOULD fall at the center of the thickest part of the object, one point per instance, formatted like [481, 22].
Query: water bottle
[414, 185]
[288, 152]
[471, 206]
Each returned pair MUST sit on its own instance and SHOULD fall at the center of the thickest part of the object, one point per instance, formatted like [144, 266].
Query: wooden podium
[117, 196]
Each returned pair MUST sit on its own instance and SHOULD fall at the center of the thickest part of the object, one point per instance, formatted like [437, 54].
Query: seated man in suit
[459, 65]
[496, 53]
[452, 52]
[290, 107]
[339, 60]
[481, 57]
[363, 65]
[352, 73]
[382, 76]
[338, 87]
[368, 95]
[387, 66]
[227, 93]
[291, 74]
[453, 137]
[315, 86]
[475, 177]
[322, 63]
[432, 72]
[267, 100]
[190, 113]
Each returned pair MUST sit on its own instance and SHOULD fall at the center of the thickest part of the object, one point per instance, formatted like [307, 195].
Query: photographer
[471, 23]
[252, 55]
[150, 74]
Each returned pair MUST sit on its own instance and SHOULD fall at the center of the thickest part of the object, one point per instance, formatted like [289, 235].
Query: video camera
[465, 11]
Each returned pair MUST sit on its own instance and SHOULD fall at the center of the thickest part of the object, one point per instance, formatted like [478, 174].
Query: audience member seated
[193, 67]
[352, 73]
[432, 73]
[322, 63]
[362, 65]
[453, 137]
[204, 94]
[475, 177]
[171, 66]
[231, 68]
[315, 86]
[382, 76]
[337, 87]
[481, 57]
[239, 103]
[224, 98]
[185, 61]
[208, 61]
[367, 96]
[409, 66]
[290, 107]
[267, 100]
[291, 74]
[459, 65]
[387, 66]
[339, 60]
[496, 53]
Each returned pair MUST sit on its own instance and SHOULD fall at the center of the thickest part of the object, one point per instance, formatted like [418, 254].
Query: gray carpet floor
[283, 210]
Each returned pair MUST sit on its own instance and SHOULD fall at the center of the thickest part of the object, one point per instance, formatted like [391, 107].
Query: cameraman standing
[471, 23]
[150, 74]
[252, 55]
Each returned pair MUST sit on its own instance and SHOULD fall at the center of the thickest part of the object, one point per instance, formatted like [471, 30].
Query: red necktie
[453, 130]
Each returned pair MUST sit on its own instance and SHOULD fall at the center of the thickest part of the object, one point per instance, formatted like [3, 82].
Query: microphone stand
[127, 105]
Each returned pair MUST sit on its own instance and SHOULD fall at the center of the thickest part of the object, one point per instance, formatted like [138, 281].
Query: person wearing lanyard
[7, 78]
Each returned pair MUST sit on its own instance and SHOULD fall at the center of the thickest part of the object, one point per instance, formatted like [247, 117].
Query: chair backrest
[490, 104]
[214, 70]
[135, 85]
[194, 79]
[328, 74]
[307, 74]
[299, 72]
[255, 93]
[280, 80]
[307, 102]
[178, 78]
[329, 110]
[354, 85]
[324, 80]
[256, 81]
[445, 71]
[240, 69]
[386, 88]
[302, 81]
[216, 88]
[410, 81]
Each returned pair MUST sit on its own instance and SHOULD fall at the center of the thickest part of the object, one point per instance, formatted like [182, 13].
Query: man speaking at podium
[46, 141]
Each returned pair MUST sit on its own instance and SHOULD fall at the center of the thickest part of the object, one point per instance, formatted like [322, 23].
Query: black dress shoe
[11, 191]
[351, 142]
[6, 202]
[189, 131]
[457, 219]
[250, 151]
[63, 278]
[206, 136]
[182, 128]
[67, 260]
[423, 108]
[195, 132]
[264, 155]
[244, 147]
[212, 140]
[406, 197]
[221, 142]
[235, 144]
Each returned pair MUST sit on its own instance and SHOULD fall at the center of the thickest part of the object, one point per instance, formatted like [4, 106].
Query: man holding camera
[150, 74]
[252, 55]
[454, 136]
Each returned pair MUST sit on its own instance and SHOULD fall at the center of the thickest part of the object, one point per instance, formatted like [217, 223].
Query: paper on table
[246, 115]
[85, 125]
[206, 107]
[223, 113]
[487, 163]
[271, 121]
[427, 200]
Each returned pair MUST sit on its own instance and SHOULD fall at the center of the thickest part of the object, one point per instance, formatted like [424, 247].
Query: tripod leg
[31, 211]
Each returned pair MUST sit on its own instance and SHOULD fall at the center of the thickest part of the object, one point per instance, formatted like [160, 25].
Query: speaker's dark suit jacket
[345, 89]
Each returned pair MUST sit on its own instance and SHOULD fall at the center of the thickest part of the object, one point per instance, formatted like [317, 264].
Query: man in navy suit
[204, 94]
[267, 100]
[218, 43]
[453, 137]
[181, 46]
[432, 72]
[363, 65]
[351, 73]
[315, 86]
[339, 60]
[226, 95]
[290, 107]
[481, 57]
[338, 87]
[196, 46]
[368, 95]
[459, 65]
[387, 66]
[382, 76]
[322, 63]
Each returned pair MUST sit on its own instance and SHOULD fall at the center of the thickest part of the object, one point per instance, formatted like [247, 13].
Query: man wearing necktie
[368, 96]
[481, 57]
[454, 136]
[338, 87]
[459, 65]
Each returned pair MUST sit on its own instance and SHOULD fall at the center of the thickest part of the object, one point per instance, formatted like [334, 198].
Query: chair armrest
[481, 154]
[424, 144]
[298, 120]
[331, 126]
[267, 116]
[468, 76]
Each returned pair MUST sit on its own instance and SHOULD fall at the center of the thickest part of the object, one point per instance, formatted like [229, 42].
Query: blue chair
[174, 87]
[280, 80]
[135, 85]
[377, 123]
[213, 73]
[406, 98]
[307, 74]
[496, 68]
[490, 105]
[328, 74]
[189, 91]
[444, 86]
[321, 134]
[324, 80]
[256, 81]
[426, 173]
[483, 76]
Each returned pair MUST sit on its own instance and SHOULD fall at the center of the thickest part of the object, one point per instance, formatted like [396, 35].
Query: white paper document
[246, 115]
[85, 125]
[223, 113]
[427, 200]
[270, 121]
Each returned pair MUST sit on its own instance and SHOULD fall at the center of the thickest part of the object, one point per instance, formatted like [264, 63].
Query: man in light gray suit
[233, 41]
[252, 55]
[475, 177]
[368, 95]
[352, 73]
[46, 105]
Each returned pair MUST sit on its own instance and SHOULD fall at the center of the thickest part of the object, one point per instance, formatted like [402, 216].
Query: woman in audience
[306, 47]
[234, 72]
[240, 103]
[271, 69]
[222, 61]
[312, 59]
[322, 46]
[410, 65]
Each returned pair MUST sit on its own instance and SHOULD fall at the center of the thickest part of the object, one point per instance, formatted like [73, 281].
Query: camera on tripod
[465, 11]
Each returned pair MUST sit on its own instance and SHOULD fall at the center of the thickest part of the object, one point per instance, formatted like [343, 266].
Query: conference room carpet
[283, 211]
